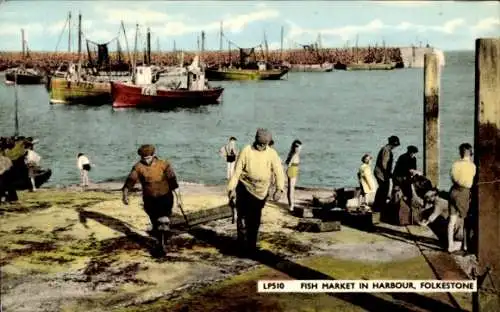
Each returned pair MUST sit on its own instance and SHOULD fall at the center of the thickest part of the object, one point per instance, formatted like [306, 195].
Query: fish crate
[359, 219]
[317, 225]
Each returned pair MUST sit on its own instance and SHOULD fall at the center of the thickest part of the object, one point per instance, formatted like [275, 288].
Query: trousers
[249, 211]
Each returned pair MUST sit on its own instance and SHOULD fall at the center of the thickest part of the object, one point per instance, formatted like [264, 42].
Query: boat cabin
[143, 75]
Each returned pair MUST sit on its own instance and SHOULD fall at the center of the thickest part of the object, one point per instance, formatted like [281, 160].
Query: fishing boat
[248, 67]
[245, 74]
[22, 75]
[384, 65]
[72, 83]
[191, 91]
[320, 66]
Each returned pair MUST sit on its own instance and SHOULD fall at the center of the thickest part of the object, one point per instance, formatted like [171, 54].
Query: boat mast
[220, 44]
[148, 47]
[158, 50]
[69, 32]
[79, 34]
[281, 48]
[202, 47]
[385, 52]
[134, 64]
[267, 48]
[79, 42]
[16, 105]
[126, 42]
[357, 49]
[23, 43]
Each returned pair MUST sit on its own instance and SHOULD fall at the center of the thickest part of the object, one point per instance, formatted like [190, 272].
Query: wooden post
[487, 193]
[431, 117]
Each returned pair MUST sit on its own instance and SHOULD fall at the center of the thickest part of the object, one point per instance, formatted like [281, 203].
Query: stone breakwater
[51, 60]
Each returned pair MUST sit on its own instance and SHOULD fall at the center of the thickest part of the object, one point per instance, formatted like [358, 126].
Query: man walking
[249, 187]
[159, 185]
[383, 172]
[462, 176]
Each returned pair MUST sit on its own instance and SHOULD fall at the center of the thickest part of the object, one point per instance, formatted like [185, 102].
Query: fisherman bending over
[159, 184]
[32, 160]
[249, 187]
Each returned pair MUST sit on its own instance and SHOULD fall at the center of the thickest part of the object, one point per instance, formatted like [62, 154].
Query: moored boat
[371, 66]
[188, 91]
[244, 74]
[23, 76]
[315, 68]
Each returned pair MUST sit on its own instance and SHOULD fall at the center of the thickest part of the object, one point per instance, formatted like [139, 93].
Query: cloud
[486, 25]
[231, 23]
[375, 26]
[404, 3]
[8, 29]
[344, 32]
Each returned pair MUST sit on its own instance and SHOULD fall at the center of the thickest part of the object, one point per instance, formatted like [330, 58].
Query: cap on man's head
[146, 150]
[412, 149]
[263, 136]
[232, 138]
[394, 140]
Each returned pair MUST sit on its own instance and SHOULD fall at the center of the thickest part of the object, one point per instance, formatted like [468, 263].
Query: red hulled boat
[190, 90]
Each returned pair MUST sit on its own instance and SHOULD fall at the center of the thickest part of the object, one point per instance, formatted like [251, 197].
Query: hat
[263, 136]
[146, 150]
[412, 149]
[394, 140]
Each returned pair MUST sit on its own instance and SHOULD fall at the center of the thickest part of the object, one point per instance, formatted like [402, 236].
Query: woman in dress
[292, 172]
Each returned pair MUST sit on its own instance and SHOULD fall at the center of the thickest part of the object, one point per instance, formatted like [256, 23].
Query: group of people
[18, 157]
[379, 188]
[230, 153]
[256, 174]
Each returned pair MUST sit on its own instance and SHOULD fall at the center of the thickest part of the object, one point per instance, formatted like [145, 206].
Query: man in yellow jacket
[249, 186]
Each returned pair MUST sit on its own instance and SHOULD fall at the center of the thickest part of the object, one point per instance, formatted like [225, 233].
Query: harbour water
[338, 116]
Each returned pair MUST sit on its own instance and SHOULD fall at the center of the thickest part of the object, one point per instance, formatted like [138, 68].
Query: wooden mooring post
[486, 196]
[432, 81]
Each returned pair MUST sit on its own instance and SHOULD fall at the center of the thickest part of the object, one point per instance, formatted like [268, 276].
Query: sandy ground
[63, 249]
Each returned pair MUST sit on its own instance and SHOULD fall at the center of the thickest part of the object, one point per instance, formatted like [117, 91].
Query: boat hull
[131, 96]
[376, 66]
[24, 79]
[87, 93]
[314, 68]
[244, 74]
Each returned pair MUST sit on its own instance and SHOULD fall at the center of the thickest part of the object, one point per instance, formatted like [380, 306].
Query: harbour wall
[410, 56]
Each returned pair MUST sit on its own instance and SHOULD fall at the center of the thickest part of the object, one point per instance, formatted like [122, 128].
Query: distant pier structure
[413, 57]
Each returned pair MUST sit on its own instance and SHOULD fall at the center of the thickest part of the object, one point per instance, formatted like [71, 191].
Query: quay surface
[62, 248]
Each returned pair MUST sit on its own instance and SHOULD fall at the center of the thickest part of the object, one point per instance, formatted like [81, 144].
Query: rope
[489, 182]
[107, 43]
[450, 296]
[60, 35]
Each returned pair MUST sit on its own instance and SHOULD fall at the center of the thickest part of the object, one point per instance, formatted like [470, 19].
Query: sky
[447, 25]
